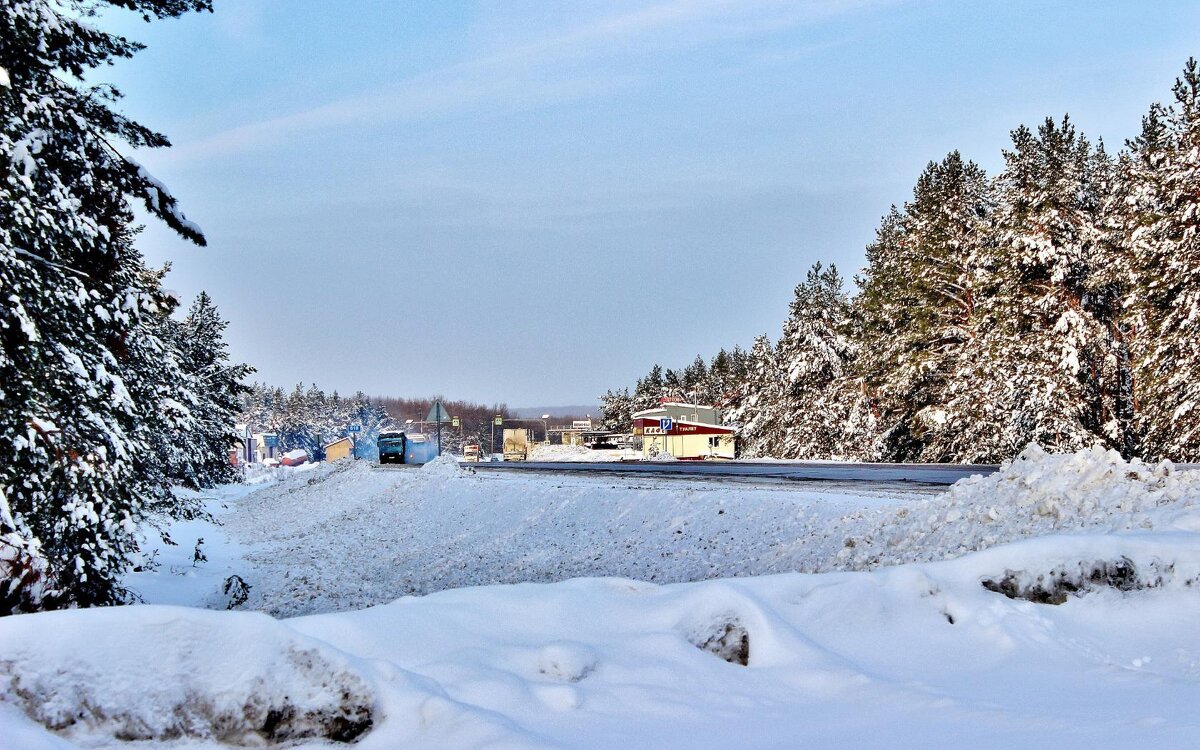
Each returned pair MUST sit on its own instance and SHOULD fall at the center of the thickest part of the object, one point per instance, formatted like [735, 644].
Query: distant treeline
[309, 418]
[1056, 303]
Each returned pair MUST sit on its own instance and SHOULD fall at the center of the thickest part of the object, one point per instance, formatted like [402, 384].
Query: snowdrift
[1066, 618]
[923, 655]
[166, 673]
[354, 536]
[1034, 494]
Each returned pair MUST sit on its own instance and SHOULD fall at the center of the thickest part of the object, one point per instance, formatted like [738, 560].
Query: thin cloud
[518, 77]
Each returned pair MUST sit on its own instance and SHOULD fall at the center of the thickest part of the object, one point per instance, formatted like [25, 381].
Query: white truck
[516, 445]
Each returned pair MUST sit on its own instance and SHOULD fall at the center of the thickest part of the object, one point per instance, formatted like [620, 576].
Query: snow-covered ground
[580, 453]
[1050, 605]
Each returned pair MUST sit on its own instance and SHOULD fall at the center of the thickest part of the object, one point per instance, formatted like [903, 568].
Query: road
[928, 474]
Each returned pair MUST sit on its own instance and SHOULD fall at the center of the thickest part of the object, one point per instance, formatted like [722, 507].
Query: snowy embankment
[1081, 636]
[352, 536]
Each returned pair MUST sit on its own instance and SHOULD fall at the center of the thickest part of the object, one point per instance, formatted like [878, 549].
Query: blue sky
[532, 202]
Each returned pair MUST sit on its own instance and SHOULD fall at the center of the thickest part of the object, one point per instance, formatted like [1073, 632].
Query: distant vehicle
[471, 452]
[294, 458]
[399, 447]
[516, 445]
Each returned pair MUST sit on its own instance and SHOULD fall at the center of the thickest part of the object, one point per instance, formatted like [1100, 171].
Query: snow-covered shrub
[724, 637]
[1054, 586]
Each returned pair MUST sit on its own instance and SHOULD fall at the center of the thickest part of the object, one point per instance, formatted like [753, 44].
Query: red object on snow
[293, 458]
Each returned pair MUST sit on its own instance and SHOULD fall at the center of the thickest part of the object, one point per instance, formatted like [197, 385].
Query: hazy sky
[532, 202]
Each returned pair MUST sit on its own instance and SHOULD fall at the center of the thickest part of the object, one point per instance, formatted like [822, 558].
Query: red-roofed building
[693, 432]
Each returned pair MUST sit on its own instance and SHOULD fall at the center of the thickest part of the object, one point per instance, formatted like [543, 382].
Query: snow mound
[443, 466]
[566, 661]
[235, 678]
[1035, 494]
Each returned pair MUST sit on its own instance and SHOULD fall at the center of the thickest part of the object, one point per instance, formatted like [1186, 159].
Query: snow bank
[1034, 494]
[580, 453]
[921, 655]
[444, 466]
[361, 536]
[1081, 636]
[165, 673]
[365, 535]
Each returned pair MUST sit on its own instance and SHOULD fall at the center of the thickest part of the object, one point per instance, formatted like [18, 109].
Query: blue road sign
[665, 424]
[271, 441]
[355, 428]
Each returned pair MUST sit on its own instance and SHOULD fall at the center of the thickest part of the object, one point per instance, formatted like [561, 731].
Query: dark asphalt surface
[928, 474]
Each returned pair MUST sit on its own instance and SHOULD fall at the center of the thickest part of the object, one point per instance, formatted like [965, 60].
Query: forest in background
[1057, 303]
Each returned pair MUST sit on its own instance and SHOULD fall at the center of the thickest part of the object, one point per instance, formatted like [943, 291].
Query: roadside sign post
[498, 421]
[664, 425]
[438, 415]
[354, 429]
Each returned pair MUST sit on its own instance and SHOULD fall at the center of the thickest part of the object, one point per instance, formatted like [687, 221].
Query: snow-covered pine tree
[918, 304]
[1024, 377]
[371, 418]
[1165, 240]
[760, 412]
[73, 302]
[219, 386]
[813, 352]
[616, 409]
[649, 390]
[1108, 373]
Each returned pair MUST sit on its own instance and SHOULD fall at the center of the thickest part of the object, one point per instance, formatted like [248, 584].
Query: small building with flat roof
[693, 432]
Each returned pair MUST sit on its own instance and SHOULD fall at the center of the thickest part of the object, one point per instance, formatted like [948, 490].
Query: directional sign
[438, 413]
[354, 428]
[665, 424]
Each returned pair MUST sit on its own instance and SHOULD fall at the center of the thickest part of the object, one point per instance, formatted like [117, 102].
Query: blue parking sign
[665, 424]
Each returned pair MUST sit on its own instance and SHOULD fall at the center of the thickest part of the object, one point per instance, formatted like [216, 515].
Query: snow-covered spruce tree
[217, 386]
[616, 409]
[72, 303]
[918, 305]
[813, 352]
[370, 417]
[761, 409]
[1164, 203]
[1025, 375]
[649, 390]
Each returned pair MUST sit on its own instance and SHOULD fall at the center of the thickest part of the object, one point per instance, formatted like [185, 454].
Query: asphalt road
[929, 474]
